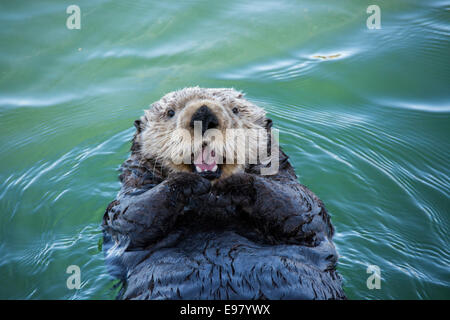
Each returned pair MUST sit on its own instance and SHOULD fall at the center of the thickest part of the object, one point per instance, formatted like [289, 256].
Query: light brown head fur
[165, 130]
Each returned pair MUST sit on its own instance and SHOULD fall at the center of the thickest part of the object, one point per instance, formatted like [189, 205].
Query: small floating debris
[333, 56]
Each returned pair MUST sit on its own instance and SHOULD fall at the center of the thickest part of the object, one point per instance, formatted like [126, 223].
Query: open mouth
[206, 164]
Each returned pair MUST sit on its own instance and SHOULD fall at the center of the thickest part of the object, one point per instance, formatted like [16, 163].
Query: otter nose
[206, 116]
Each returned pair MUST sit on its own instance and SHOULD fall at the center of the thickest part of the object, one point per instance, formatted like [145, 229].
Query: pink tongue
[205, 161]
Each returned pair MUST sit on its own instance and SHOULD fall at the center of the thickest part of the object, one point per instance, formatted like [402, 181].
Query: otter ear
[137, 124]
[268, 123]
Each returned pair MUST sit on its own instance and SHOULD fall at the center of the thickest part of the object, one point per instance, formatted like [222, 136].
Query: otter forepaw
[239, 186]
[188, 185]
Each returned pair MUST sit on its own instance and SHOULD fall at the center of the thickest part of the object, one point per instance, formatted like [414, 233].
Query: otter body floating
[211, 228]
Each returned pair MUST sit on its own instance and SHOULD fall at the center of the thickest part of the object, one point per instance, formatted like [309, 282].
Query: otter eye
[170, 113]
[235, 110]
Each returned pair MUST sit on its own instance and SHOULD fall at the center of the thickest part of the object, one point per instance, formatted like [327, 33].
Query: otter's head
[212, 132]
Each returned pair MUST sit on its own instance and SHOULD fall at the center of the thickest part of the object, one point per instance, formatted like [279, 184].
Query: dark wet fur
[247, 237]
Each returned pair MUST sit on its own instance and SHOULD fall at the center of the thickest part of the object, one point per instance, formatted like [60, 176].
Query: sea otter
[196, 220]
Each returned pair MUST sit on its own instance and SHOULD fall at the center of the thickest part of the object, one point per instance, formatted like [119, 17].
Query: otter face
[212, 132]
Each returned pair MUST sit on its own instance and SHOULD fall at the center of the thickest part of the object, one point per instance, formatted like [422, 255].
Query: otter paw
[238, 187]
[188, 185]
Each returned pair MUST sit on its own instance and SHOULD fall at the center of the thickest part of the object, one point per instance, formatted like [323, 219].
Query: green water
[366, 129]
